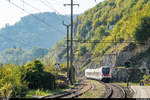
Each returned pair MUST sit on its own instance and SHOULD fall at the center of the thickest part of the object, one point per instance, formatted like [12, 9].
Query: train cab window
[106, 70]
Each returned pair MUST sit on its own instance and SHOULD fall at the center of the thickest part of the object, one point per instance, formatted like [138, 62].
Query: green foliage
[82, 50]
[127, 20]
[96, 23]
[124, 18]
[143, 30]
[19, 56]
[42, 92]
[17, 81]
[146, 79]
[63, 67]
[100, 32]
[37, 77]
[56, 52]
[39, 52]
[11, 82]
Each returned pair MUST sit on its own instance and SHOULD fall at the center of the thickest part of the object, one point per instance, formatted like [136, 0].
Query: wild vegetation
[16, 81]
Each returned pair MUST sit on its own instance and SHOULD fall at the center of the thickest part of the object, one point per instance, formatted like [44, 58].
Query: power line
[31, 6]
[50, 7]
[100, 41]
[47, 3]
[35, 17]
[38, 9]
[22, 3]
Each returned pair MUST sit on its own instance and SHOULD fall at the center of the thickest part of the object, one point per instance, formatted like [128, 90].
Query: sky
[9, 14]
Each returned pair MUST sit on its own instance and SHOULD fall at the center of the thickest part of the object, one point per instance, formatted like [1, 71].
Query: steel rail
[110, 90]
[73, 92]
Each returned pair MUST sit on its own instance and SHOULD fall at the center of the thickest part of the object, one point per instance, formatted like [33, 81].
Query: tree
[143, 30]
[100, 32]
[39, 52]
[82, 50]
[37, 77]
[11, 83]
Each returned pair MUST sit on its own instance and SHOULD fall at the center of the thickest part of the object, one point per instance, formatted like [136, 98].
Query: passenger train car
[103, 73]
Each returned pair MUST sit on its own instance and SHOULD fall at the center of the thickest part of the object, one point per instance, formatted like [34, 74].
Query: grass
[121, 67]
[41, 92]
[130, 84]
[96, 92]
[138, 84]
[121, 83]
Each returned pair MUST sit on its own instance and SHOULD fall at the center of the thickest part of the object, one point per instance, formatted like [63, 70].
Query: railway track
[117, 91]
[113, 91]
[78, 90]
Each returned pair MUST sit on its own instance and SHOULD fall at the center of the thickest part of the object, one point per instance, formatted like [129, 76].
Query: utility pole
[115, 48]
[68, 78]
[71, 53]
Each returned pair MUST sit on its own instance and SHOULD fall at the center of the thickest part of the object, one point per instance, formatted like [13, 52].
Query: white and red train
[103, 73]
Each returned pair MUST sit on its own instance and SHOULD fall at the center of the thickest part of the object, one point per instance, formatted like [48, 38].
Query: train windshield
[106, 70]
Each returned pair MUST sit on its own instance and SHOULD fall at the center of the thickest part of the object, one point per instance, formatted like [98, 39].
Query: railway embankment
[97, 90]
[78, 90]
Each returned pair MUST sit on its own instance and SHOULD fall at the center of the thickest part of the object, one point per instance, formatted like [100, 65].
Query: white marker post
[57, 65]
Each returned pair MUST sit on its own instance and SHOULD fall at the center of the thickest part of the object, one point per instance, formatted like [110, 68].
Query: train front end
[106, 73]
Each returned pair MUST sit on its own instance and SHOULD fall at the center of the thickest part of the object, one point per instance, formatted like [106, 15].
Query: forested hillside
[20, 56]
[30, 37]
[42, 30]
[110, 21]
[122, 18]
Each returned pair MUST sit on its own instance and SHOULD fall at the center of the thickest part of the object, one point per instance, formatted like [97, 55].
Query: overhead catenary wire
[37, 18]
[100, 41]
[22, 3]
[30, 5]
[17, 41]
[39, 9]
[49, 5]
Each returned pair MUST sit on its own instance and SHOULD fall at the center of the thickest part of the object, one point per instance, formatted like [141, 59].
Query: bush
[37, 77]
[146, 79]
[10, 81]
